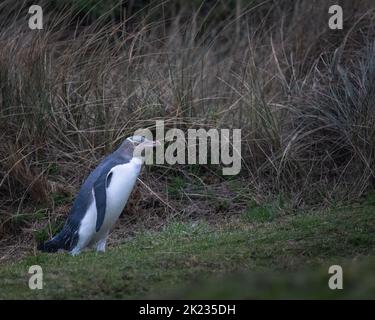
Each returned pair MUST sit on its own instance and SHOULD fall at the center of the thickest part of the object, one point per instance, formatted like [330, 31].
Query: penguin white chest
[123, 178]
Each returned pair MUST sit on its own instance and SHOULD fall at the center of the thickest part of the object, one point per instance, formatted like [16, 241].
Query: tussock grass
[301, 93]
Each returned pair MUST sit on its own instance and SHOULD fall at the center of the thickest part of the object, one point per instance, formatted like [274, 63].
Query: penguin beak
[151, 144]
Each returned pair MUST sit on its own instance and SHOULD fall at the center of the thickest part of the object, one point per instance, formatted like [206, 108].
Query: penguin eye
[139, 139]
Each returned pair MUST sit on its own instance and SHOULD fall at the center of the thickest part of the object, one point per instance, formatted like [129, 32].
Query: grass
[260, 213]
[287, 257]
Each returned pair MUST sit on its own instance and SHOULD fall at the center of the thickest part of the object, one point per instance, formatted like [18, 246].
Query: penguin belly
[87, 228]
[120, 187]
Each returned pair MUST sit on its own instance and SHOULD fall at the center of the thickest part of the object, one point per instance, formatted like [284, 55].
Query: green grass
[287, 257]
[260, 214]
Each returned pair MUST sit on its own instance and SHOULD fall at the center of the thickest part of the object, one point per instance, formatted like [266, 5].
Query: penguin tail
[65, 239]
[52, 245]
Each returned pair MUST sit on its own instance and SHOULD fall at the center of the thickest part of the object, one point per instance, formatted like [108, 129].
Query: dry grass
[301, 93]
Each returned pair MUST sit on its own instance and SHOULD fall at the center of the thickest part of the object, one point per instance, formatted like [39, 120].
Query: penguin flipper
[100, 194]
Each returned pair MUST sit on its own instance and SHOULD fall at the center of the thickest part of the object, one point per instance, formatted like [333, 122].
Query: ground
[253, 255]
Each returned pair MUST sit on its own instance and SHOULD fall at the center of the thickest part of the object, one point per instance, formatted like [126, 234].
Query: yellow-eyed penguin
[101, 199]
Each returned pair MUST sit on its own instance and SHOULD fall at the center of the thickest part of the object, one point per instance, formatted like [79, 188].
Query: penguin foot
[76, 251]
[101, 245]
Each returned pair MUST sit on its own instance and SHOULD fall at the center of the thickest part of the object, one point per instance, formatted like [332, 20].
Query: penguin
[101, 199]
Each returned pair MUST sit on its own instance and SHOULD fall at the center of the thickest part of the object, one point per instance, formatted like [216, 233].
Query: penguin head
[142, 141]
[135, 145]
